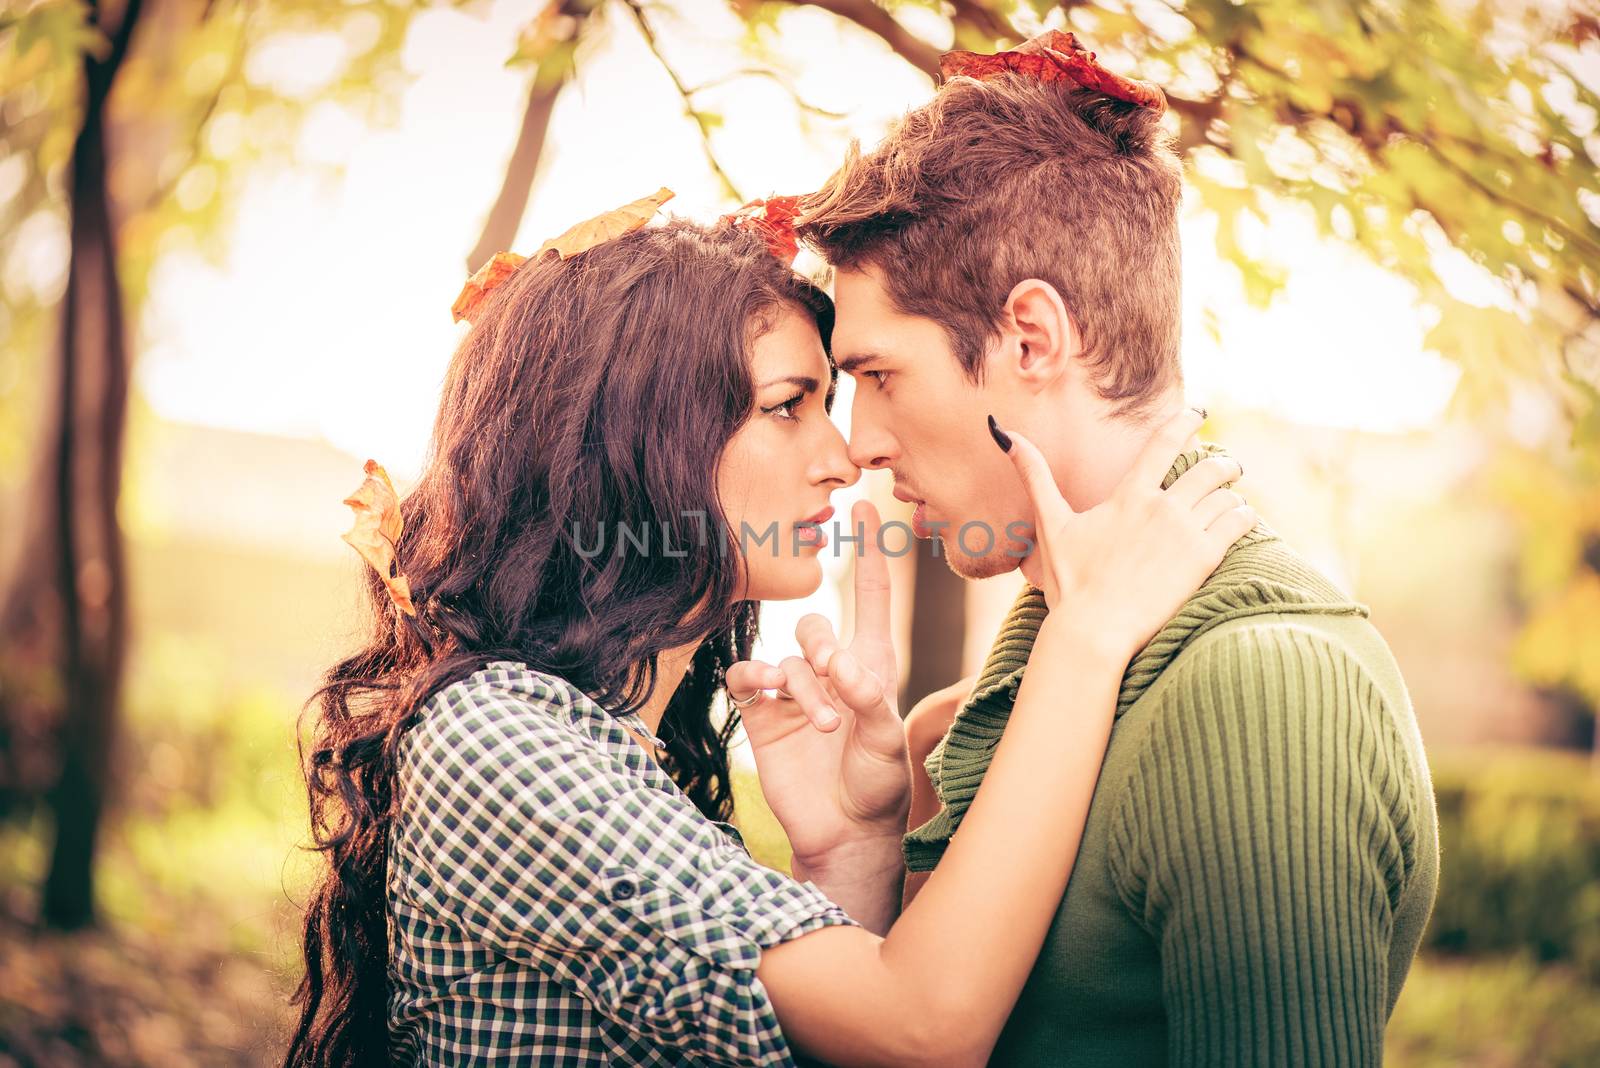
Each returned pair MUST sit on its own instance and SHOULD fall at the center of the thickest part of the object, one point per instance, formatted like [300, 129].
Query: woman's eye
[877, 376]
[786, 409]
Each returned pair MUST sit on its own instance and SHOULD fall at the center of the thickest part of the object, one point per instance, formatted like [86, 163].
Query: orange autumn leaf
[501, 265]
[772, 218]
[1054, 56]
[377, 531]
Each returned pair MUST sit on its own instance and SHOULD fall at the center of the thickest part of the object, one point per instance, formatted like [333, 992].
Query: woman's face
[781, 466]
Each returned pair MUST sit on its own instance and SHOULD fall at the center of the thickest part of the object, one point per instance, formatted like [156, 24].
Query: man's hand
[832, 753]
[929, 719]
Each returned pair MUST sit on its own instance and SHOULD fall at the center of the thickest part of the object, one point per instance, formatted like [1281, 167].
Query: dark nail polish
[1001, 438]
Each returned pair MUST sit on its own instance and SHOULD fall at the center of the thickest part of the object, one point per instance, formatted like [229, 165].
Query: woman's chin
[788, 580]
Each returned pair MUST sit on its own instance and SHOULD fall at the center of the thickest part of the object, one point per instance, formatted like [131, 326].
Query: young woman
[521, 789]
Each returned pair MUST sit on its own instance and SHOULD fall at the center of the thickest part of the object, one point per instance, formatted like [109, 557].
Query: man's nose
[870, 448]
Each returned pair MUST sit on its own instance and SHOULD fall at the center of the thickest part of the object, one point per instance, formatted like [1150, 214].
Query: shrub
[1519, 837]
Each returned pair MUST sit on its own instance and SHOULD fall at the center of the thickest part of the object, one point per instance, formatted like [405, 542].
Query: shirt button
[623, 889]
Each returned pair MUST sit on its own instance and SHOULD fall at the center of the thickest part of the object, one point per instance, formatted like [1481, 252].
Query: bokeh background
[230, 234]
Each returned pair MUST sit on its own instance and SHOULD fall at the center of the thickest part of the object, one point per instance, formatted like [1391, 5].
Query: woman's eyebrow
[805, 382]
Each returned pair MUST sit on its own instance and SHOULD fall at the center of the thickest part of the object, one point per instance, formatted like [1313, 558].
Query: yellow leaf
[607, 226]
[377, 531]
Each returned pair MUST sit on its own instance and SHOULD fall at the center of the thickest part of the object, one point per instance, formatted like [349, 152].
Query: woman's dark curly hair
[591, 391]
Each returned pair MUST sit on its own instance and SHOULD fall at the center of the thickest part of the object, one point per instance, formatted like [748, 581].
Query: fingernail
[1001, 438]
[828, 716]
[846, 667]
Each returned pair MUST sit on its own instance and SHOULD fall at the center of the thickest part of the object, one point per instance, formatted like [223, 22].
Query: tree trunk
[85, 602]
[562, 21]
[500, 228]
[938, 626]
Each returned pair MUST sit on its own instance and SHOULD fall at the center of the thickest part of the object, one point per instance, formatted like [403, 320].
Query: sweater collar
[1258, 574]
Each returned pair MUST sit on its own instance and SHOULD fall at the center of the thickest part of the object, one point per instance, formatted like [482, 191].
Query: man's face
[918, 415]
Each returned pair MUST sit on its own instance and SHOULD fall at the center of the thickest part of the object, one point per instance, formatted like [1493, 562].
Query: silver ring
[747, 702]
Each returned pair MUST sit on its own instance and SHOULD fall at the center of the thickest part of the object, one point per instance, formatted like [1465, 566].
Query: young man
[1261, 855]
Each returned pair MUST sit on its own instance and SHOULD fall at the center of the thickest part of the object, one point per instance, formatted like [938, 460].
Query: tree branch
[500, 228]
[688, 99]
[555, 30]
[986, 20]
[875, 20]
[761, 72]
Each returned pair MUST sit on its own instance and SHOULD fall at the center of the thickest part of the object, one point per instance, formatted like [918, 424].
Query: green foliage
[193, 111]
[759, 828]
[1493, 1013]
[1520, 844]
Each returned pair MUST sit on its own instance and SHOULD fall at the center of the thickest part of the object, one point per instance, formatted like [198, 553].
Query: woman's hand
[832, 754]
[1122, 569]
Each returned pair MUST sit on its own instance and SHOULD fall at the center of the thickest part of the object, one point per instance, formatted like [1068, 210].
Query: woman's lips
[809, 533]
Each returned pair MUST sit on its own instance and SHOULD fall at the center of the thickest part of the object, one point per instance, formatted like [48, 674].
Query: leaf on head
[1053, 57]
[377, 530]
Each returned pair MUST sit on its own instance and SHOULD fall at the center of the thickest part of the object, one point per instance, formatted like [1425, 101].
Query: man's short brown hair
[996, 181]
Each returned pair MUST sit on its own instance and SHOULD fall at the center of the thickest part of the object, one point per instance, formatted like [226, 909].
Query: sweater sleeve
[1264, 842]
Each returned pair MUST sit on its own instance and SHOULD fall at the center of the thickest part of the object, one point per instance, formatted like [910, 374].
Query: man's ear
[1045, 334]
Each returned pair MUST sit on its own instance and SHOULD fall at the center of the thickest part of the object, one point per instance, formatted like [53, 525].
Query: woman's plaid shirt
[555, 899]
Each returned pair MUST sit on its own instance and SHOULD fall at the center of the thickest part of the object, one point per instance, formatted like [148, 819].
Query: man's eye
[877, 376]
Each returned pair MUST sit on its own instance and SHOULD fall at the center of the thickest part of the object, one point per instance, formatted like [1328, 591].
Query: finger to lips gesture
[831, 680]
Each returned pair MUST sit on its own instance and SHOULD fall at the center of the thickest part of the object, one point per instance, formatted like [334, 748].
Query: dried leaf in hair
[1054, 56]
[501, 265]
[579, 238]
[772, 218]
[377, 531]
[606, 226]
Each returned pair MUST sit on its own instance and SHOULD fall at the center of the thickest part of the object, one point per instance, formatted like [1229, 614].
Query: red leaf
[773, 219]
[1052, 57]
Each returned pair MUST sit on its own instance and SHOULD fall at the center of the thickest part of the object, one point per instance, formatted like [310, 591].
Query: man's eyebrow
[805, 382]
[856, 360]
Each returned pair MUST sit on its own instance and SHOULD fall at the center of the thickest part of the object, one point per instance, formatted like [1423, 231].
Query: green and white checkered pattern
[555, 899]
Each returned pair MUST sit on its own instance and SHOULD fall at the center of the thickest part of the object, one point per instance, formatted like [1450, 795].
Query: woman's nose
[832, 462]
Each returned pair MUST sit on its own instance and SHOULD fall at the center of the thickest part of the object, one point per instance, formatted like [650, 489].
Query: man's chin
[969, 566]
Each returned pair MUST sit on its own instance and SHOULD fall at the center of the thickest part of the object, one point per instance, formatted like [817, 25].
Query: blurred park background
[230, 234]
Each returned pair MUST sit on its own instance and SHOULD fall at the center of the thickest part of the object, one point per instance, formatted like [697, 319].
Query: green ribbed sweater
[1261, 853]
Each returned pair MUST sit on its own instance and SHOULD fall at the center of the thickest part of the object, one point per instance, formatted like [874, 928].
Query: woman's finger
[749, 677]
[803, 688]
[1229, 527]
[818, 642]
[1150, 469]
[876, 722]
[871, 579]
[1213, 505]
[1205, 477]
[1049, 507]
[859, 687]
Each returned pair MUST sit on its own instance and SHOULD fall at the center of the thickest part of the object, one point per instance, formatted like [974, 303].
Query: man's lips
[899, 495]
